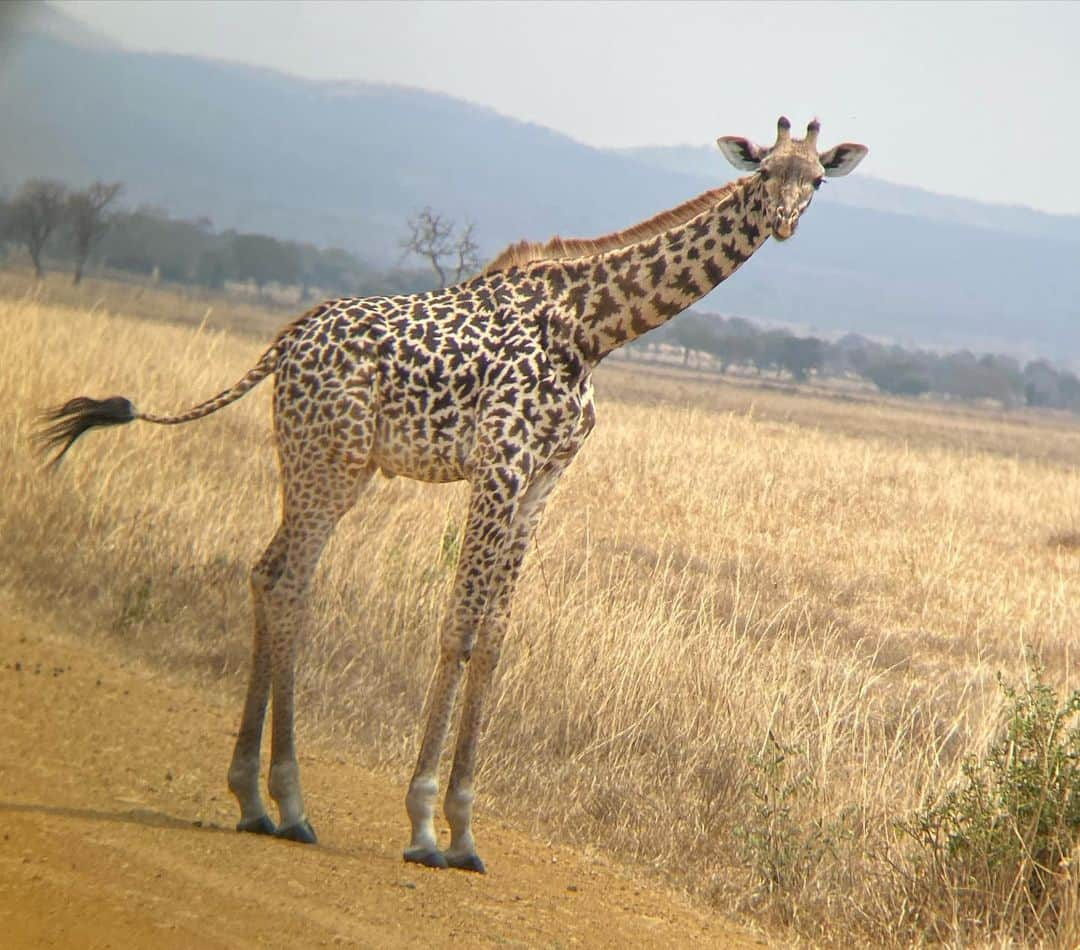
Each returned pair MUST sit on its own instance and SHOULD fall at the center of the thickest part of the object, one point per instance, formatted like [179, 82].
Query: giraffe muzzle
[783, 225]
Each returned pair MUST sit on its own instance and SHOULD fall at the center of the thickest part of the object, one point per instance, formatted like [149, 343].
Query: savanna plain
[766, 646]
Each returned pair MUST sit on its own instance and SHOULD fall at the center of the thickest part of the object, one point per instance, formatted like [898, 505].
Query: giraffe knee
[267, 571]
[457, 648]
[459, 654]
[485, 659]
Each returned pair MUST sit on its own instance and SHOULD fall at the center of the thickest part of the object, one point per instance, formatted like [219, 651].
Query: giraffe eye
[818, 182]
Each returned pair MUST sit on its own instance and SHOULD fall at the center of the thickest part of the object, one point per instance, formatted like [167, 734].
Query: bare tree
[86, 215]
[434, 237]
[37, 210]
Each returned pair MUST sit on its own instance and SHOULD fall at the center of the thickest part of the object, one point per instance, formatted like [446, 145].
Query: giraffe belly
[413, 450]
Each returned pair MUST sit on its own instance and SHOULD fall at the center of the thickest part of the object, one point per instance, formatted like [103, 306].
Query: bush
[999, 847]
[782, 849]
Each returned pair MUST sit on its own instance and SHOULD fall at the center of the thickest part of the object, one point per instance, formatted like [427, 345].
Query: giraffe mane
[562, 249]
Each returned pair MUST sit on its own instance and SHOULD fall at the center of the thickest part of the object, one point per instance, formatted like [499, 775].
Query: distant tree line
[74, 228]
[52, 222]
[725, 344]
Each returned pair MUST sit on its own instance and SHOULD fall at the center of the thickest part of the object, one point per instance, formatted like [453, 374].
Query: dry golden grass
[183, 304]
[725, 572]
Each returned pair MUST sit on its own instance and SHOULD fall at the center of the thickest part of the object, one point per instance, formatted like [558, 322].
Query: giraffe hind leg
[324, 469]
[287, 604]
[307, 527]
[281, 584]
[245, 766]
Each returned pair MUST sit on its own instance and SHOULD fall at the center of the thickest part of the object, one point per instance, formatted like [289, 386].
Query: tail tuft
[62, 425]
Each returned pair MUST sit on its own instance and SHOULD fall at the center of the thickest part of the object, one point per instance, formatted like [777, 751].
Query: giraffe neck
[616, 296]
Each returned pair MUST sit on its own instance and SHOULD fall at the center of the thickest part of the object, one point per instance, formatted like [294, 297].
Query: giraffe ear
[742, 153]
[840, 159]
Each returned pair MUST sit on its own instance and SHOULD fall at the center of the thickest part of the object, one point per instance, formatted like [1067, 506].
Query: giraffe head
[791, 169]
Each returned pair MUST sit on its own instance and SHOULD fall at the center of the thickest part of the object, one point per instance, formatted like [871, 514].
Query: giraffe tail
[61, 426]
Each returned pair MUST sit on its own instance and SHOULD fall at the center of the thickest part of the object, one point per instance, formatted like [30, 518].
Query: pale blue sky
[974, 99]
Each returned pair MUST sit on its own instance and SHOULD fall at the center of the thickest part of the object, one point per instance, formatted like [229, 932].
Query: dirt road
[116, 831]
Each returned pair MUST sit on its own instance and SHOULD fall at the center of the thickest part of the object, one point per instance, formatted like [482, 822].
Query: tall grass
[758, 632]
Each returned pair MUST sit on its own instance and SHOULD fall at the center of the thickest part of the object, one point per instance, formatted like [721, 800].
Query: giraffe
[487, 381]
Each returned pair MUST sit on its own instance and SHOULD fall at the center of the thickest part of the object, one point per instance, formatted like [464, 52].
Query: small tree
[899, 375]
[434, 237]
[799, 355]
[87, 218]
[1042, 384]
[36, 211]
[265, 259]
[695, 335]
[212, 269]
[5, 221]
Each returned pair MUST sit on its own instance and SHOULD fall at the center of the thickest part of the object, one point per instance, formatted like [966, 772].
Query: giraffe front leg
[424, 787]
[485, 531]
[460, 792]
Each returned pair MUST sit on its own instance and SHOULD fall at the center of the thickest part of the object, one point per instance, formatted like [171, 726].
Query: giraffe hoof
[301, 832]
[428, 857]
[258, 826]
[470, 861]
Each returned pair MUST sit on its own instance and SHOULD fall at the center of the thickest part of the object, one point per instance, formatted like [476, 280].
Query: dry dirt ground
[116, 831]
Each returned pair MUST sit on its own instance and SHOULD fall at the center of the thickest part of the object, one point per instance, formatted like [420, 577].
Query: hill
[346, 163]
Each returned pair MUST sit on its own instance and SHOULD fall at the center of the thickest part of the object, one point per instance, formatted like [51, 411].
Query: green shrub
[999, 846]
[781, 847]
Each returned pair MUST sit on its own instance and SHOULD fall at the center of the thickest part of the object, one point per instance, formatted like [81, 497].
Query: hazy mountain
[346, 163]
[335, 163]
[22, 18]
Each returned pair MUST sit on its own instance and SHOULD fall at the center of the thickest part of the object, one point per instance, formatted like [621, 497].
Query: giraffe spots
[685, 284]
[713, 271]
[425, 385]
[577, 297]
[627, 283]
[664, 306]
[732, 252]
[604, 305]
[749, 230]
[556, 280]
